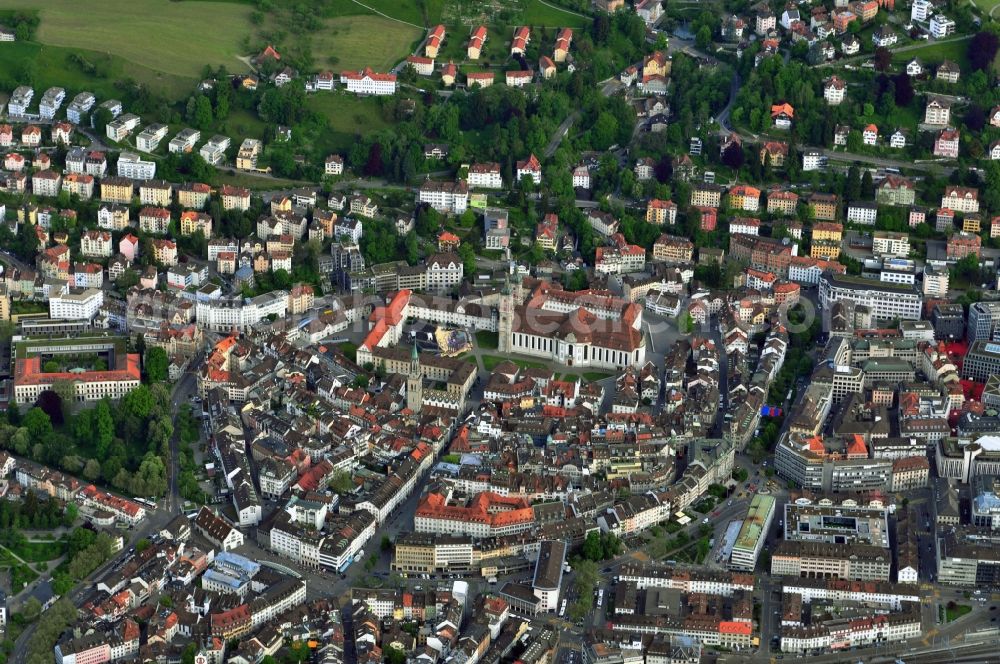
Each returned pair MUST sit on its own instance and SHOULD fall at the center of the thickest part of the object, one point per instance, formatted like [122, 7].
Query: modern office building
[753, 533]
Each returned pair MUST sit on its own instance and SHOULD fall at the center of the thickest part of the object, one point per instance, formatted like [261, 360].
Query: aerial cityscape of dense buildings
[561, 332]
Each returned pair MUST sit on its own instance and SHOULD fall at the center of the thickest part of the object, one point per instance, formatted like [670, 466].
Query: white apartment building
[862, 213]
[96, 244]
[20, 100]
[132, 166]
[937, 112]
[812, 160]
[79, 305]
[885, 243]
[184, 141]
[81, 104]
[52, 100]
[214, 151]
[941, 26]
[149, 138]
[444, 271]
[936, 281]
[445, 196]
[921, 10]
[119, 128]
[486, 176]
[46, 183]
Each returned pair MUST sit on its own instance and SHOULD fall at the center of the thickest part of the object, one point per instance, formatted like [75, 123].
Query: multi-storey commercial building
[885, 300]
[822, 560]
[753, 533]
[981, 361]
[968, 557]
[226, 314]
[984, 318]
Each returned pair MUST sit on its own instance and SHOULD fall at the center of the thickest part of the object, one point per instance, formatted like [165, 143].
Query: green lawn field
[538, 14]
[177, 38]
[936, 53]
[353, 42]
[348, 116]
[52, 66]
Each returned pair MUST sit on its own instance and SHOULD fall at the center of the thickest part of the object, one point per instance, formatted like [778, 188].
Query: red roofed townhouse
[301, 298]
[744, 197]
[87, 275]
[448, 241]
[783, 202]
[31, 136]
[125, 511]
[773, 153]
[194, 195]
[530, 168]
[13, 162]
[479, 79]
[96, 244]
[232, 624]
[324, 80]
[709, 218]
[154, 220]
[563, 41]
[869, 135]
[61, 132]
[960, 199]
[546, 67]
[434, 40]
[368, 82]
[961, 245]
[165, 252]
[518, 79]
[661, 212]
[547, 232]
[449, 73]
[786, 293]
[268, 54]
[79, 184]
[658, 63]
[519, 44]
[193, 221]
[234, 198]
[946, 144]
[7, 135]
[834, 89]
[128, 246]
[782, 115]
[476, 41]
[423, 66]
